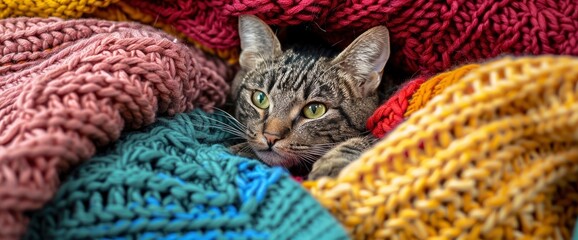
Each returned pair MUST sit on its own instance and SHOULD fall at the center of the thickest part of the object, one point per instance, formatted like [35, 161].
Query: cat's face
[296, 105]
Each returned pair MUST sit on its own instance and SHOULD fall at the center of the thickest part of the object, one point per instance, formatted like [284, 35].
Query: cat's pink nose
[271, 139]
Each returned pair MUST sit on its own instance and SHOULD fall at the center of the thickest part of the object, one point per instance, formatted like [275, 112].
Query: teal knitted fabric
[175, 180]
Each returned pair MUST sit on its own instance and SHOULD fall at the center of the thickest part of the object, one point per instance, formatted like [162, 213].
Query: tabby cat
[306, 105]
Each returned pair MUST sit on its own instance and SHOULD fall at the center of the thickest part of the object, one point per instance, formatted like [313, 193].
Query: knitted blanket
[427, 36]
[487, 154]
[67, 87]
[175, 180]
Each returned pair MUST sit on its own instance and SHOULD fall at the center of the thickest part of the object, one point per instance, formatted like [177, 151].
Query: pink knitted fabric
[427, 36]
[67, 87]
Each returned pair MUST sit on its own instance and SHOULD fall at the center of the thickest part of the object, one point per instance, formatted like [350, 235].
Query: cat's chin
[273, 158]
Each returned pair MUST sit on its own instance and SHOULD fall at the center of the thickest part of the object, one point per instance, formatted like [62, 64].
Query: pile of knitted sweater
[105, 107]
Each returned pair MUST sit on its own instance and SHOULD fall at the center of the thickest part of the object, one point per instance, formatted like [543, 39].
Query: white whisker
[235, 129]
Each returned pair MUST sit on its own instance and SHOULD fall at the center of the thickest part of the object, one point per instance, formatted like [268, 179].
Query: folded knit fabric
[492, 156]
[427, 36]
[67, 87]
[175, 180]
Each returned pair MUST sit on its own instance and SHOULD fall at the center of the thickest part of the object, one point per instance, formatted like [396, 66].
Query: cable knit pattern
[428, 36]
[67, 87]
[493, 156]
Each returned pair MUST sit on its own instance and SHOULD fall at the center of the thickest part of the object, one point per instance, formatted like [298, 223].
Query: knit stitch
[412, 96]
[427, 36]
[493, 156]
[434, 86]
[175, 180]
[67, 87]
[123, 11]
[50, 8]
[390, 114]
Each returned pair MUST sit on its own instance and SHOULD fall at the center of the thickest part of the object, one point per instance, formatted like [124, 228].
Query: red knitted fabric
[391, 113]
[67, 87]
[427, 36]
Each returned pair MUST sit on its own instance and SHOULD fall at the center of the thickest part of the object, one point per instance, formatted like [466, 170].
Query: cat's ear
[258, 42]
[366, 57]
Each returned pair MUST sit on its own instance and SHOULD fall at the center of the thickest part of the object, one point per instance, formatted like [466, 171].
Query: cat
[306, 105]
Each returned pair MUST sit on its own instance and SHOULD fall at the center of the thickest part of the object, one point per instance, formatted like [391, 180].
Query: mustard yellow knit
[493, 156]
[435, 86]
[50, 8]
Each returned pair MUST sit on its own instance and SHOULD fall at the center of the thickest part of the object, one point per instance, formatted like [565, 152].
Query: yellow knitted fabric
[435, 86]
[493, 156]
[50, 8]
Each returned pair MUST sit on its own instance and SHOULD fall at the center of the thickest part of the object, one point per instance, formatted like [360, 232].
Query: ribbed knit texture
[410, 97]
[175, 180]
[391, 113]
[493, 156]
[428, 36]
[67, 87]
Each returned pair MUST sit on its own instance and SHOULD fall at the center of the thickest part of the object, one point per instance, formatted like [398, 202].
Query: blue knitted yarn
[175, 180]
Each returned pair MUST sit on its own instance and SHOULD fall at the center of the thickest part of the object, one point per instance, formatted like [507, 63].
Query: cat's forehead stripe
[295, 72]
[269, 81]
[322, 90]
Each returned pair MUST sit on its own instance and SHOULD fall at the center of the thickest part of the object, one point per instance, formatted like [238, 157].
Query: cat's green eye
[314, 110]
[260, 99]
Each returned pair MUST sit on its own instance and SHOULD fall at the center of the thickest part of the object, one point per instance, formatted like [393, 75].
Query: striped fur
[346, 83]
